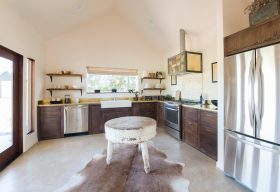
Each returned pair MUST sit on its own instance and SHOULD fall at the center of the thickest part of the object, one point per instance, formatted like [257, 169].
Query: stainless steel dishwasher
[75, 119]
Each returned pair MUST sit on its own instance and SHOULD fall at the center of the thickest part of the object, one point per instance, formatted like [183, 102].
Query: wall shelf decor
[51, 75]
[151, 78]
[153, 89]
[64, 89]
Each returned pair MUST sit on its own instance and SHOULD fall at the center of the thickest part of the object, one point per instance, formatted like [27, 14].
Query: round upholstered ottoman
[130, 130]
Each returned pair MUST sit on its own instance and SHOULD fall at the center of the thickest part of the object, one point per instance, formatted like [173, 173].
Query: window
[30, 95]
[106, 79]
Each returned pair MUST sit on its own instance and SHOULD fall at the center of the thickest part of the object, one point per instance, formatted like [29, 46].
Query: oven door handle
[171, 109]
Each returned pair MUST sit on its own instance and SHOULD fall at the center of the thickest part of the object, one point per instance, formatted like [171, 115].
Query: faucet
[114, 91]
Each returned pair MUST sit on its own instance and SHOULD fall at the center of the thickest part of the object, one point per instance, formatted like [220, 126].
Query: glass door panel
[6, 104]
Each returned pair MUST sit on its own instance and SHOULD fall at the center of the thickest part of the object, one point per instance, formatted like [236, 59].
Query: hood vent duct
[185, 61]
[182, 40]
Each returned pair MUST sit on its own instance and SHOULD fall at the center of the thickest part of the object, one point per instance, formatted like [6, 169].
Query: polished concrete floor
[49, 164]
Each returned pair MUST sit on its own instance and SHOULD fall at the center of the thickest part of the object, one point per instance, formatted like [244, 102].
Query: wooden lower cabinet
[148, 109]
[95, 122]
[50, 122]
[200, 130]
[160, 114]
[208, 133]
[190, 127]
[51, 118]
[108, 114]
[136, 109]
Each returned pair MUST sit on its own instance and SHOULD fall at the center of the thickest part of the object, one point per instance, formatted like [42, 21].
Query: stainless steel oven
[173, 119]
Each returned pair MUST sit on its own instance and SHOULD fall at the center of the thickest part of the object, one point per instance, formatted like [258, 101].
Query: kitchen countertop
[212, 108]
[89, 103]
[201, 107]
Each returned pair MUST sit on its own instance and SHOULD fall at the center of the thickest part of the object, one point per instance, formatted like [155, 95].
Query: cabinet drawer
[190, 114]
[51, 111]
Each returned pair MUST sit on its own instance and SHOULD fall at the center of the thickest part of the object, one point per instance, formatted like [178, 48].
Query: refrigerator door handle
[251, 102]
[254, 144]
[259, 103]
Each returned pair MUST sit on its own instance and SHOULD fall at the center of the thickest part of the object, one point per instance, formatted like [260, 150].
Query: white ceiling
[160, 20]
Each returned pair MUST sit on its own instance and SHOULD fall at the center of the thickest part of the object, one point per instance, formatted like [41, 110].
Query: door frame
[7, 156]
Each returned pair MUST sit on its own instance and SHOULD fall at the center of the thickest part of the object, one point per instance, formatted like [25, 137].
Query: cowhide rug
[126, 173]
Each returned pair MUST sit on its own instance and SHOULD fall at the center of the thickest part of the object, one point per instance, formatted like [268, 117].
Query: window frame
[31, 104]
[106, 92]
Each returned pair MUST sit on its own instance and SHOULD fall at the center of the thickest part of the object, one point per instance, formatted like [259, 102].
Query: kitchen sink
[116, 104]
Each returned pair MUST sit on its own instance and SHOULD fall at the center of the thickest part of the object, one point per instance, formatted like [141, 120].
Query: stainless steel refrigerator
[252, 118]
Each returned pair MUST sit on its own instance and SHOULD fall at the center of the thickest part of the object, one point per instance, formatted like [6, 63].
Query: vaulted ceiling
[159, 20]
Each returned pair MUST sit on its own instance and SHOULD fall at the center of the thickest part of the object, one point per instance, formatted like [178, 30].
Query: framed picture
[214, 72]
[173, 80]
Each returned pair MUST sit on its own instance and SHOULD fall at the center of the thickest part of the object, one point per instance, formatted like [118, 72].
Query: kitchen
[97, 61]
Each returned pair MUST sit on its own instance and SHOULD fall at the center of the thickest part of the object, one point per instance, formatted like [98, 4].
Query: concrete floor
[49, 164]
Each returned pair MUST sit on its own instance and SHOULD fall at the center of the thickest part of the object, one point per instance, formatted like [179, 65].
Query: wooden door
[10, 106]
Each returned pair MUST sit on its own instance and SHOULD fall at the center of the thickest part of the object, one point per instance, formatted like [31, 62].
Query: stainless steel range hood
[185, 61]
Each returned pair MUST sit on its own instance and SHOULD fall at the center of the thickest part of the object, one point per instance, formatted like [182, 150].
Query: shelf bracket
[50, 92]
[81, 79]
[81, 92]
[51, 78]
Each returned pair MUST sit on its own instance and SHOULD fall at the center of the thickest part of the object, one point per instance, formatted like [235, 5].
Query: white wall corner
[220, 60]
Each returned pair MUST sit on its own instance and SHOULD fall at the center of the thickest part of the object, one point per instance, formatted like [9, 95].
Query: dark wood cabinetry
[108, 114]
[148, 109]
[253, 37]
[95, 122]
[50, 122]
[190, 127]
[200, 130]
[208, 133]
[136, 109]
[160, 114]
[51, 118]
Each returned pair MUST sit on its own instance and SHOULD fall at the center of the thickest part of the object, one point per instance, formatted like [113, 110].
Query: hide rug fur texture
[126, 173]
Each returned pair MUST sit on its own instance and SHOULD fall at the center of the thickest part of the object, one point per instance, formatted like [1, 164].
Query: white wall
[234, 18]
[193, 84]
[108, 41]
[19, 36]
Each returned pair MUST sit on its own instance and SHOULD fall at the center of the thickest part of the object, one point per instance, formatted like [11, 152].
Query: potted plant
[262, 10]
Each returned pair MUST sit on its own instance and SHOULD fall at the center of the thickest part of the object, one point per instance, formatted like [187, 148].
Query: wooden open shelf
[64, 89]
[151, 78]
[51, 75]
[153, 89]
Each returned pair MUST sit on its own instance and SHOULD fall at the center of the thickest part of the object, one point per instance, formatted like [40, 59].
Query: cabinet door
[136, 109]
[160, 114]
[190, 114]
[148, 109]
[50, 123]
[95, 119]
[208, 133]
[190, 133]
[190, 127]
[108, 114]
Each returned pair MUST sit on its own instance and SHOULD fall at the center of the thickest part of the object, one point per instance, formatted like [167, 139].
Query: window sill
[106, 92]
